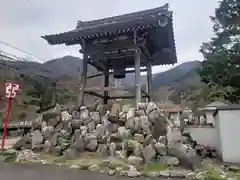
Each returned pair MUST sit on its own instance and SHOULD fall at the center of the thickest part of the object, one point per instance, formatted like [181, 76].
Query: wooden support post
[83, 80]
[137, 77]
[149, 80]
[106, 84]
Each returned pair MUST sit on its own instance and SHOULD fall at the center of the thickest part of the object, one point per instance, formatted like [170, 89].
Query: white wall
[204, 135]
[210, 118]
[229, 130]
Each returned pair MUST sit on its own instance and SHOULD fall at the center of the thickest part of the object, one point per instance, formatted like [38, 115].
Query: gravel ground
[39, 172]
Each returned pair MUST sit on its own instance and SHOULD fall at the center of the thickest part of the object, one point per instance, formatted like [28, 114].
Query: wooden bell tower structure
[112, 45]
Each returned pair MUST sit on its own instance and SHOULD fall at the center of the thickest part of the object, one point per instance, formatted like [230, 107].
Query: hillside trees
[222, 51]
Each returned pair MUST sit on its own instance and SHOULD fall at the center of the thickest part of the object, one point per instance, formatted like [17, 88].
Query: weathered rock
[70, 153]
[78, 144]
[112, 149]
[102, 149]
[37, 139]
[27, 155]
[54, 138]
[160, 123]
[152, 174]
[84, 113]
[93, 167]
[65, 134]
[116, 108]
[102, 110]
[137, 125]
[186, 155]
[96, 117]
[87, 120]
[54, 121]
[141, 106]
[161, 148]
[74, 166]
[135, 160]
[91, 126]
[100, 131]
[130, 124]
[132, 172]
[56, 150]
[164, 174]
[111, 172]
[145, 124]
[65, 116]
[58, 127]
[58, 108]
[113, 118]
[124, 133]
[151, 106]
[131, 113]
[47, 146]
[76, 123]
[36, 124]
[83, 130]
[178, 174]
[169, 160]
[125, 108]
[132, 147]
[112, 128]
[122, 118]
[91, 143]
[115, 137]
[138, 137]
[24, 142]
[47, 131]
[148, 140]
[75, 114]
[149, 153]
[140, 113]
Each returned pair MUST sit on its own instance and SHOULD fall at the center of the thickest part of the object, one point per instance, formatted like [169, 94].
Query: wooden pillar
[137, 77]
[83, 80]
[106, 84]
[149, 80]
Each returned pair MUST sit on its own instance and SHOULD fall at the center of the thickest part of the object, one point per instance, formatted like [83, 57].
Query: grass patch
[52, 159]
[152, 167]
[212, 174]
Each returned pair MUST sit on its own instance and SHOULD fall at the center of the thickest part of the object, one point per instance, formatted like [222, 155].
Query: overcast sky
[22, 22]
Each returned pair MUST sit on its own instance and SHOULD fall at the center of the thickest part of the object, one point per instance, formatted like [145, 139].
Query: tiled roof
[122, 18]
[127, 22]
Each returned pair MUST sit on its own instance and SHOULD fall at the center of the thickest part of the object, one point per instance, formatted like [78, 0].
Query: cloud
[24, 21]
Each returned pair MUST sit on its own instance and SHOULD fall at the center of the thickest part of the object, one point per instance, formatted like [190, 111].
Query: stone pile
[139, 134]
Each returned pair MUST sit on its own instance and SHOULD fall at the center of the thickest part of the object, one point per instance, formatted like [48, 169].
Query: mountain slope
[176, 74]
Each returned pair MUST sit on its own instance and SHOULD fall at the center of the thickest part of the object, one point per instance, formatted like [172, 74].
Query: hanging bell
[119, 69]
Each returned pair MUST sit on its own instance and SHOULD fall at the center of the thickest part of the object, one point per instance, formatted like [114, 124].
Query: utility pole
[182, 123]
[54, 98]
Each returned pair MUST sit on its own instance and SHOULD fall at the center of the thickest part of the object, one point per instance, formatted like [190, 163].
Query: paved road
[46, 172]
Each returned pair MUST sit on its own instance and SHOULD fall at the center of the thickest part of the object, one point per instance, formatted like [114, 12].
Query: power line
[9, 45]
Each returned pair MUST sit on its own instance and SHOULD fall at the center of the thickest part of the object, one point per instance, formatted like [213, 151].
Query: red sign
[11, 92]
[11, 89]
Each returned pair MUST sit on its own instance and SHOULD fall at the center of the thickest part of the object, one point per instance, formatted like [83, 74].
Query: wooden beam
[123, 97]
[145, 53]
[95, 75]
[110, 56]
[94, 94]
[83, 80]
[118, 45]
[106, 84]
[137, 77]
[101, 89]
[149, 80]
